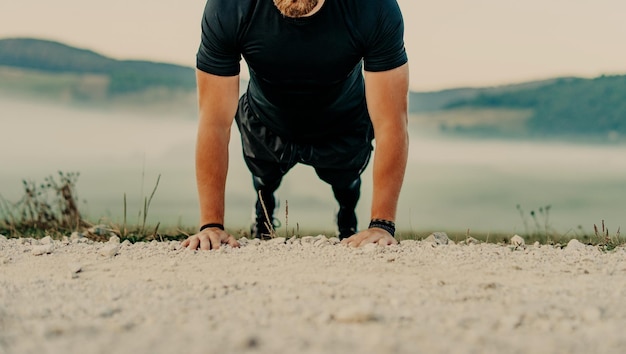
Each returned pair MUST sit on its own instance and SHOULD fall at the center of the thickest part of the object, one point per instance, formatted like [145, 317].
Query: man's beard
[295, 8]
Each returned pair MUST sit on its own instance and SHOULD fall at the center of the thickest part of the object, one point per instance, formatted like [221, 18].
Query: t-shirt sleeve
[385, 41]
[218, 53]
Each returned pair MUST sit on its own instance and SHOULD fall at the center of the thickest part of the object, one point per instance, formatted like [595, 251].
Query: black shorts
[338, 158]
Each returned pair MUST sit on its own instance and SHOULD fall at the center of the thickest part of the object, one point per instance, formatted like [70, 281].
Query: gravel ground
[309, 295]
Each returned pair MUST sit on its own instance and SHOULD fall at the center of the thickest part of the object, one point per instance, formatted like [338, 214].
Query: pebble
[574, 246]
[75, 267]
[46, 240]
[321, 242]
[3, 238]
[110, 250]
[114, 239]
[75, 236]
[43, 249]
[437, 238]
[307, 239]
[334, 240]
[518, 242]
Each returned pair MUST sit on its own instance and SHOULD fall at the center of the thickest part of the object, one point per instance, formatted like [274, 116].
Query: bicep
[387, 95]
[217, 98]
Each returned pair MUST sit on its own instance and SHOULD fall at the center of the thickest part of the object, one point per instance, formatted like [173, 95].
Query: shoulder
[228, 8]
[372, 7]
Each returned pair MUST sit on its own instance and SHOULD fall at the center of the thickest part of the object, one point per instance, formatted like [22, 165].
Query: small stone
[307, 239]
[75, 267]
[518, 242]
[110, 250]
[334, 240]
[75, 236]
[536, 244]
[114, 239]
[322, 242]
[46, 240]
[574, 246]
[98, 230]
[126, 243]
[43, 249]
[174, 245]
[3, 238]
[471, 241]
[319, 237]
[437, 238]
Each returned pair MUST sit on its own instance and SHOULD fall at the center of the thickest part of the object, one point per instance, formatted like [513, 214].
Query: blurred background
[518, 114]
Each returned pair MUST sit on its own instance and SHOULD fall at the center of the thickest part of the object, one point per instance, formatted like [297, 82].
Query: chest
[323, 48]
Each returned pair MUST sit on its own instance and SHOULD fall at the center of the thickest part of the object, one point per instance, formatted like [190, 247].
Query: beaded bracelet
[206, 226]
[386, 225]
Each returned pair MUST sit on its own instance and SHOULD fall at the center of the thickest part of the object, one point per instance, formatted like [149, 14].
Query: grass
[52, 208]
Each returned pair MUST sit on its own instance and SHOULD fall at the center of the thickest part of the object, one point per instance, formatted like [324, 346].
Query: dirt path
[309, 296]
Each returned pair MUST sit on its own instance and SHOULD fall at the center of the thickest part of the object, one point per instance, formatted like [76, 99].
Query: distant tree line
[125, 76]
[569, 106]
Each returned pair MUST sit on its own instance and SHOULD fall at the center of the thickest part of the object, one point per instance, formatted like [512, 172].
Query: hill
[556, 107]
[123, 76]
[567, 106]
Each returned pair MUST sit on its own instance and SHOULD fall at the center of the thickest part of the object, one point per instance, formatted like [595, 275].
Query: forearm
[217, 102]
[387, 103]
[390, 161]
[211, 172]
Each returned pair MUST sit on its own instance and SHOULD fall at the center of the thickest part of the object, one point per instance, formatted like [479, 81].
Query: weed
[51, 206]
[542, 229]
[605, 241]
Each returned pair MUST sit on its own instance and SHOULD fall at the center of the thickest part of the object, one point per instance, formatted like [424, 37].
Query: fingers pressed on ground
[386, 241]
[205, 244]
[232, 242]
[215, 241]
[193, 243]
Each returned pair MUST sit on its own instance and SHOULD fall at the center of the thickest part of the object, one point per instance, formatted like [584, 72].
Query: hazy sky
[450, 42]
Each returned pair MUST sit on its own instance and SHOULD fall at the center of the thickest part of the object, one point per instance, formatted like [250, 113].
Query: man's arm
[217, 101]
[387, 102]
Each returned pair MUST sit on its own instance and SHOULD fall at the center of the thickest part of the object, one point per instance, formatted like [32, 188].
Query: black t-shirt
[305, 73]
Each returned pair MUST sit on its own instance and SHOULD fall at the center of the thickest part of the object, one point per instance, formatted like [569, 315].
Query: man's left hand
[373, 235]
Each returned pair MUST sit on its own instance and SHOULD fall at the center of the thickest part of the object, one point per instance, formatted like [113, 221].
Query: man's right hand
[210, 239]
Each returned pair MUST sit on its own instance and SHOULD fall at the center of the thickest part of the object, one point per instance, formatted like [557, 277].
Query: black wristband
[206, 226]
[386, 225]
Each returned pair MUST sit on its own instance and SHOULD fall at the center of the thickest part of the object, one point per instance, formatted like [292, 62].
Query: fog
[452, 183]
